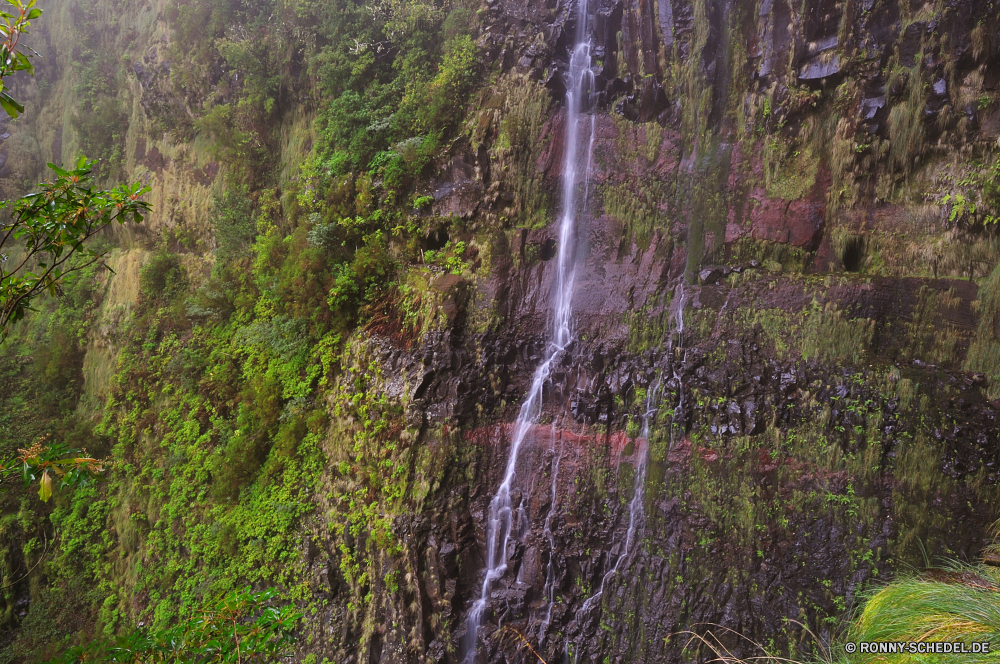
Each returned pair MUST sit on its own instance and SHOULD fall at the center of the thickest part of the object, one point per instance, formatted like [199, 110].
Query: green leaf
[12, 108]
[34, 13]
[45, 487]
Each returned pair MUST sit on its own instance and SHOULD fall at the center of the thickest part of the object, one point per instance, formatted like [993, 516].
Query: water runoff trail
[579, 147]
[636, 512]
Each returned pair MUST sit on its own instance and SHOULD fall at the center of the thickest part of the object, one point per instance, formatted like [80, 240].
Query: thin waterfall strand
[550, 571]
[678, 335]
[499, 521]
[635, 509]
[636, 512]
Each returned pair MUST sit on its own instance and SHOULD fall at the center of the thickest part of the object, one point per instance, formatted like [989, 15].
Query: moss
[785, 257]
[778, 326]
[516, 109]
[928, 337]
[984, 353]
[795, 177]
[829, 335]
[639, 213]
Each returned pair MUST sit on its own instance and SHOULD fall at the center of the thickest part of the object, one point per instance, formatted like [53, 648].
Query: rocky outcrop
[815, 429]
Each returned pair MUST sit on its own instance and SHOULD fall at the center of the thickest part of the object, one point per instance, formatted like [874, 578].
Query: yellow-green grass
[959, 603]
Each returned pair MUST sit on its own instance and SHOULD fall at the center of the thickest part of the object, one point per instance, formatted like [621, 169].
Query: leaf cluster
[47, 231]
[46, 463]
[240, 626]
[977, 197]
[14, 22]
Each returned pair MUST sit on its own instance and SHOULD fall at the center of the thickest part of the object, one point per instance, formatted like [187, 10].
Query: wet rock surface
[815, 430]
[825, 534]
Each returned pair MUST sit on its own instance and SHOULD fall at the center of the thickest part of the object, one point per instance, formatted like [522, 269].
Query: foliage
[12, 54]
[398, 91]
[47, 462]
[984, 352]
[49, 229]
[232, 218]
[226, 391]
[958, 603]
[251, 44]
[99, 118]
[161, 276]
[241, 626]
[976, 196]
[100, 126]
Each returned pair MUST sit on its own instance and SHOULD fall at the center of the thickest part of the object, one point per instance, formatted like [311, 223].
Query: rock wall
[753, 156]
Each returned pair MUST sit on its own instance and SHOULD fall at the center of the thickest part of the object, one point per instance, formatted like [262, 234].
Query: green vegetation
[237, 627]
[234, 373]
[13, 57]
[47, 231]
[959, 603]
[47, 463]
[243, 412]
[984, 353]
[976, 197]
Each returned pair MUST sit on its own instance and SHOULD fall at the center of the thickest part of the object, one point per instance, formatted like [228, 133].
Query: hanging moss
[830, 335]
[795, 177]
[785, 257]
[517, 109]
[640, 212]
[984, 354]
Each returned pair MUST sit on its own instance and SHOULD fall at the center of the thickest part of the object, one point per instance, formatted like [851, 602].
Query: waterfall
[579, 88]
[550, 570]
[678, 335]
[635, 509]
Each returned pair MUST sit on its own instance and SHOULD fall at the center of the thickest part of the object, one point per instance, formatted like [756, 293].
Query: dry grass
[712, 640]
[508, 636]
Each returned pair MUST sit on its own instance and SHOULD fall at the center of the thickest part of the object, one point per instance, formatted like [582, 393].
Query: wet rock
[820, 67]
[870, 106]
[712, 275]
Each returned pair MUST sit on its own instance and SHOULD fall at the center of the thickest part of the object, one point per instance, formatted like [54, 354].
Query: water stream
[550, 570]
[635, 508]
[636, 511]
[678, 335]
[579, 88]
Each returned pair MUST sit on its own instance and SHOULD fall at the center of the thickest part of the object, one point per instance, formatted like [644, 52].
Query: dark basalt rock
[819, 67]
[738, 392]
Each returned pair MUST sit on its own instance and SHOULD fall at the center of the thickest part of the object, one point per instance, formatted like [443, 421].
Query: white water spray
[579, 87]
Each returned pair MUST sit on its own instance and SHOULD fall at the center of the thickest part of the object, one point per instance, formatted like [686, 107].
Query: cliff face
[803, 184]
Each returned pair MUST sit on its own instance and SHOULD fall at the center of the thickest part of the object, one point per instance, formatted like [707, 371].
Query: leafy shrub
[445, 96]
[100, 128]
[242, 626]
[235, 464]
[233, 221]
[161, 276]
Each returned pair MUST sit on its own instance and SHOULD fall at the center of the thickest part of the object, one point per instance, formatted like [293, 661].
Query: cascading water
[635, 509]
[579, 88]
[550, 570]
[636, 512]
[678, 335]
